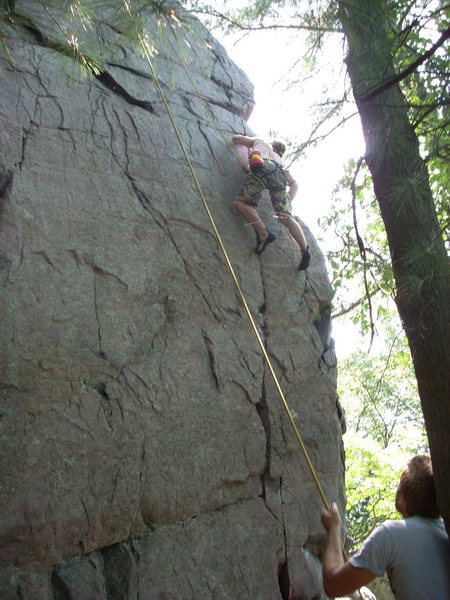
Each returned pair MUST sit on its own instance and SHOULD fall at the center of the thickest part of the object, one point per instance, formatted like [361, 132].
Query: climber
[266, 171]
[414, 551]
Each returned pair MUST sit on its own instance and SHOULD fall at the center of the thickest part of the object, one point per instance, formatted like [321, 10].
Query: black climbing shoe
[261, 244]
[306, 258]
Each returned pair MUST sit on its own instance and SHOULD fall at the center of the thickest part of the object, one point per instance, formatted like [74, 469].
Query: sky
[289, 114]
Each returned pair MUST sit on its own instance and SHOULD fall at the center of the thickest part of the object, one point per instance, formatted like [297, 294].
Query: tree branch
[350, 307]
[313, 139]
[218, 15]
[388, 83]
[362, 250]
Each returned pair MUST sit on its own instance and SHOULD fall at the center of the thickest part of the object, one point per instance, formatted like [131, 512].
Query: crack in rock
[104, 77]
[212, 360]
[5, 183]
[109, 82]
[263, 412]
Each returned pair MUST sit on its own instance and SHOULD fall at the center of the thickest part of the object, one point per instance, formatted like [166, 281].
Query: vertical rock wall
[144, 450]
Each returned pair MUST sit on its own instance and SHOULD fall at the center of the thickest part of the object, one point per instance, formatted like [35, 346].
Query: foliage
[426, 91]
[316, 16]
[380, 395]
[359, 257]
[417, 246]
[378, 390]
[371, 481]
[384, 429]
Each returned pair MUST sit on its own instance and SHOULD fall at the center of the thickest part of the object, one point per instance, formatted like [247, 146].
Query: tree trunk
[419, 259]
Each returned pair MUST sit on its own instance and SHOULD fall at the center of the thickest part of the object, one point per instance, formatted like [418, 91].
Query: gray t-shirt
[415, 554]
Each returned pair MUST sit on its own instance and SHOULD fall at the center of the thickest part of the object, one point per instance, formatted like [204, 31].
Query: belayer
[266, 171]
[413, 551]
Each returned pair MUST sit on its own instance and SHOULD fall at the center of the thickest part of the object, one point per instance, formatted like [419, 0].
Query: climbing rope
[235, 280]
[147, 53]
[231, 269]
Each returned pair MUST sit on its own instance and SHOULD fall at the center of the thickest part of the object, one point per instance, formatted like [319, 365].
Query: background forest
[389, 215]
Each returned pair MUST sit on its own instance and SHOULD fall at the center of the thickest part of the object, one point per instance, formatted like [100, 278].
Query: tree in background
[360, 268]
[378, 388]
[371, 481]
[402, 187]
[384, 429]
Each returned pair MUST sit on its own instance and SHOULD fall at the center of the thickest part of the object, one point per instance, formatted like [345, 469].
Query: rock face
[145, 452]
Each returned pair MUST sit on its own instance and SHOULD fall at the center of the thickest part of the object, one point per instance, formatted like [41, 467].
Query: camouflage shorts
[269, 179]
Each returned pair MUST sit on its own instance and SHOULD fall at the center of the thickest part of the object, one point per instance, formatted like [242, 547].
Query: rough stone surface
[145, 451]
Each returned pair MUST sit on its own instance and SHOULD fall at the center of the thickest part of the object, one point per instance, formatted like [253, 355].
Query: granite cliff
[144, 451]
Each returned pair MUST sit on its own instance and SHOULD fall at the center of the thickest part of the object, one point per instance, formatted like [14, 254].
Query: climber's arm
[244, 140]
[293, 186]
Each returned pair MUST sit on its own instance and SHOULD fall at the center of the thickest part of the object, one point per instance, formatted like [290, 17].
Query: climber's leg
[282, 205]
[246, 202]
[251, 216]
[297, 233]
[294, 229]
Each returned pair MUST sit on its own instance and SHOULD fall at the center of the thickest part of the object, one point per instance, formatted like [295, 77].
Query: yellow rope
[244, 302]
[147, 54]
[238, 287]
[236, 282]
